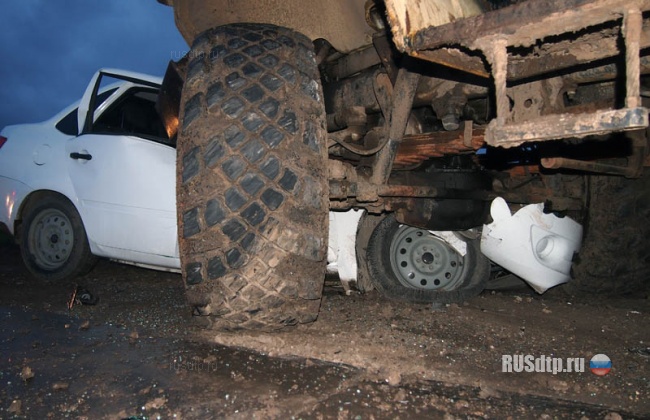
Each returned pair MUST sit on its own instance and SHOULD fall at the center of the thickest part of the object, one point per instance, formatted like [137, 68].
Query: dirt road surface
[138, 353]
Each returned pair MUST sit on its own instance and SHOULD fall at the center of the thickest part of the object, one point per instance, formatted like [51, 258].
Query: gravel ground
[138, 353]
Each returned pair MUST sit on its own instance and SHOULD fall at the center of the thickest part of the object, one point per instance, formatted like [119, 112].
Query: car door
[122, 167]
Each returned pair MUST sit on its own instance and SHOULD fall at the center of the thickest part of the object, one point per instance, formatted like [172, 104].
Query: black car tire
[53, 241]
[367, 225]
[440, 274]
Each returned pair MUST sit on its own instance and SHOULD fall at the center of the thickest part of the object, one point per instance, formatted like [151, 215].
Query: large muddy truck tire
[615, 256]
[252, 188]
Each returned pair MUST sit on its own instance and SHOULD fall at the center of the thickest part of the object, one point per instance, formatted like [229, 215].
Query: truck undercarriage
[536, 102]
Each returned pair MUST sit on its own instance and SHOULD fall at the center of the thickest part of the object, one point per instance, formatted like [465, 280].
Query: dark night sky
[49, 49]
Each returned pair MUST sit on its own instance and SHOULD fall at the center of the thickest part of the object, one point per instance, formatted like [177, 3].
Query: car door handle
[85, 156]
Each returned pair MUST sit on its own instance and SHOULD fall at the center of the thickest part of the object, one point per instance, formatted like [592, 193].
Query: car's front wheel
[414, 265]
[53, 242]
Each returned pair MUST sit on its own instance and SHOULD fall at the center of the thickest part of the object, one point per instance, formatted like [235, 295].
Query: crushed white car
[98, 180]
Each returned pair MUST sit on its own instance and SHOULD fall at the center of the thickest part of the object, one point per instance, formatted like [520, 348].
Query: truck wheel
[411, 264]
[53, 242]
[252, 189]
[615, 256]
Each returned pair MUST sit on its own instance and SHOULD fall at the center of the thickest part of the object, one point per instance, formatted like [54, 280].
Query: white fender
[536, 246]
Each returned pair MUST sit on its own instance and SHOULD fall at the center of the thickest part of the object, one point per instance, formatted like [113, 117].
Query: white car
[108, 189]
[97, 179]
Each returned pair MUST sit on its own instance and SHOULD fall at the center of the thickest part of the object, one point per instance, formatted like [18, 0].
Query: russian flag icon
[600, 365]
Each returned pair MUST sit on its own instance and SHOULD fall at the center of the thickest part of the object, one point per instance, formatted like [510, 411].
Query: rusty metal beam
[524, 23]
[345, 189]
[605, 72]
[552, 127]
[585, 166]
[497, 55]
[353, 63]
[455, 59]
[559, 57]
[402, 99]
[632, 23]
[387, 53]
[633, 169]
[431, 192]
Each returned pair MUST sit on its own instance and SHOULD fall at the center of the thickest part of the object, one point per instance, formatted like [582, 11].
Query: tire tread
[261, 242]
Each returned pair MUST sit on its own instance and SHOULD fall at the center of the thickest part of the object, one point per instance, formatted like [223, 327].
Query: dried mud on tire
[252, 193]
[615, 257]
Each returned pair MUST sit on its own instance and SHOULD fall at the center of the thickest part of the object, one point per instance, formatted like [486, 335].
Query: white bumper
[535, 246]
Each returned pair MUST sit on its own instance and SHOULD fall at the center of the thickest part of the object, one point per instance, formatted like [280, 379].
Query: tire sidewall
[77, 261]
[475, 271]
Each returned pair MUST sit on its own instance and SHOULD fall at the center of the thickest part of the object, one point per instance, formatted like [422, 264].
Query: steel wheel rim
[421, 260]
[51, 239]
